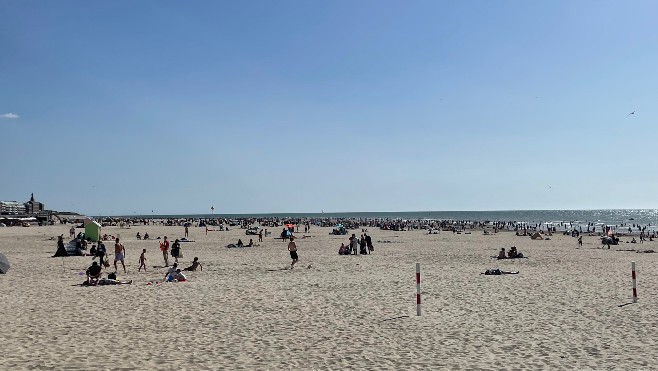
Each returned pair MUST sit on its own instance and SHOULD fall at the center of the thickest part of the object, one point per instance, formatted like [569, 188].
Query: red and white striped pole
[634, 283]
[418, 288]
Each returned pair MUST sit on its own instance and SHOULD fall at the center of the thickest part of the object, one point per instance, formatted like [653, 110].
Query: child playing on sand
[142, 261]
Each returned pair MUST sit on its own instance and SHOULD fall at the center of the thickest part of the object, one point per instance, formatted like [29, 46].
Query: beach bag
[112, 276]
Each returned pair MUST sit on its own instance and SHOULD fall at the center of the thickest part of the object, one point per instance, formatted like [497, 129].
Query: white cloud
[9, 116]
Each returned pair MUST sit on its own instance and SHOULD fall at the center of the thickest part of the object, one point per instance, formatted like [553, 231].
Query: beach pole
[418, 288]
[634, 283]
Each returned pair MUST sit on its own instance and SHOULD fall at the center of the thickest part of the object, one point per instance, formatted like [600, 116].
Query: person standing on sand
[354, 244]
[175, 250]
[187, 231]
[580, 241]
[119, 255]
[165, 251]
[371, 248]
[292, 247]
[260, 236]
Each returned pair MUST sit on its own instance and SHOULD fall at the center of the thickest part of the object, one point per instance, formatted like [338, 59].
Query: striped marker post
[634, 283]
[418, 288]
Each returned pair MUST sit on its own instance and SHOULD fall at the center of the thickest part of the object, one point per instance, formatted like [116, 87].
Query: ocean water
[577, 217]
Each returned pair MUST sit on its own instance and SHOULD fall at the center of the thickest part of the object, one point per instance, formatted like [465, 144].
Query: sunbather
[194, 266]
[497, 272]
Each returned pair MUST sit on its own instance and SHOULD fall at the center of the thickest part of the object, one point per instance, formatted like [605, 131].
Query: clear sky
[122, 107]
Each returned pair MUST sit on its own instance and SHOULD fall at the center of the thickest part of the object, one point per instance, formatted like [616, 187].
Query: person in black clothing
[61, 250]
[369, 244]
[362, 245]
[100, 252]
[94, 272]
[175, 250]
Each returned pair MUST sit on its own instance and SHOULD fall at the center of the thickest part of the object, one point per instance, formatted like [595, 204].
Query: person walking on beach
[260, 236]
[292, 247]
[142, 261]
[101, 252]
[119, 255]
[72, 232]
[580, 241]
[165, 251]
[187, 231]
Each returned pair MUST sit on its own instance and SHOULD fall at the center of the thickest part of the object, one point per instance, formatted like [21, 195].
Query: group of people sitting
[108, 237]
[511, 254]
[241, 244]
[146, 236]
[174, 274]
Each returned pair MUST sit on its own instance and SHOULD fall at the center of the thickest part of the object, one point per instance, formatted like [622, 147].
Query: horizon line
[135, 214]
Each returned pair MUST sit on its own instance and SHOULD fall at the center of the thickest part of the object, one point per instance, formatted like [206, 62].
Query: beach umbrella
[4, 264]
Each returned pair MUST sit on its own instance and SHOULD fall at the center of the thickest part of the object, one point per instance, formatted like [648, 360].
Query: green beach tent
[92, 230]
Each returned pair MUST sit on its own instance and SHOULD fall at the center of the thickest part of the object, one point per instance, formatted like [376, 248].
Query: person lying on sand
[497, 272]
[194, 266]
[107, 281]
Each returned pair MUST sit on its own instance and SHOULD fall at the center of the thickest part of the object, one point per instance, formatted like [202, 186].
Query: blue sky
[300, 106]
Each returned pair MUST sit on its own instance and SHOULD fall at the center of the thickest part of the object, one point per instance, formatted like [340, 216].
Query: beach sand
[246, 310]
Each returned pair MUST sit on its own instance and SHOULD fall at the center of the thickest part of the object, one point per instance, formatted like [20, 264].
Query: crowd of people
[101, 260]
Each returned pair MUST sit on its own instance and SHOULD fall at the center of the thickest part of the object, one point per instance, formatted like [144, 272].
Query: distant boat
[631, 219]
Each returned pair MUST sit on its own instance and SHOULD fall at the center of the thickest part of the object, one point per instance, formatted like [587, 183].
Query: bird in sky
[632, 113]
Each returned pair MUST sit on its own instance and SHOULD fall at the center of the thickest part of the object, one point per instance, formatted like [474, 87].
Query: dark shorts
[293, 255]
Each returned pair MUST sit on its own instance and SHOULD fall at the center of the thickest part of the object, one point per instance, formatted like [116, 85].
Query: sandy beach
[246, 310]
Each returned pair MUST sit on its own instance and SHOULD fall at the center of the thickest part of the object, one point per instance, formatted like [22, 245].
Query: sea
[610, 217]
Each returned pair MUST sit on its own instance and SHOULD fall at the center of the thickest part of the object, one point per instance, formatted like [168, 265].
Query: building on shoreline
[33, 211]
[11, 208]
[31, 207]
